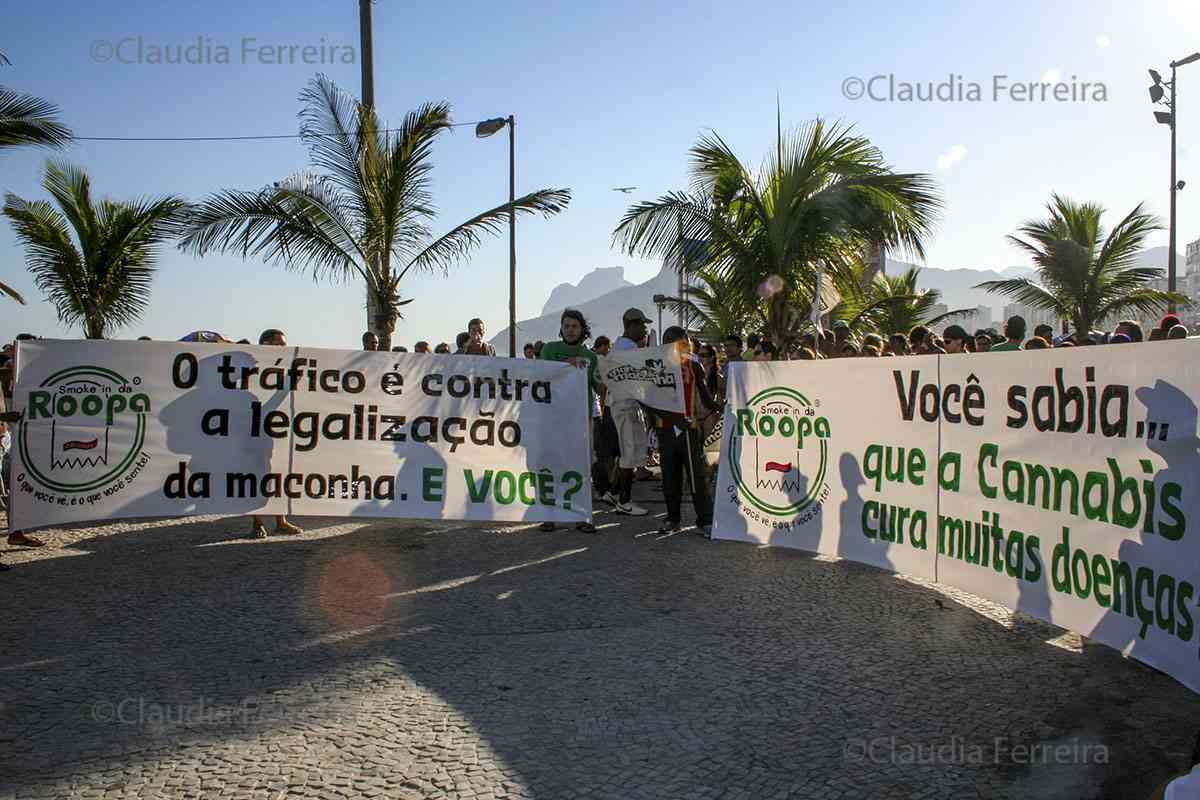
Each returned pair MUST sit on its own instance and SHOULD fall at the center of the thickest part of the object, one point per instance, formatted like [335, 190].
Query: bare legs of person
[259, 531]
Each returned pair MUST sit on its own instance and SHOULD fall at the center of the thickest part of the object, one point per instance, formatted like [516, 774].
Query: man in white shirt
[630, 422]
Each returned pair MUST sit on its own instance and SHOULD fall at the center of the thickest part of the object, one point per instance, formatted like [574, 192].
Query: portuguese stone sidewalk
[175, 659]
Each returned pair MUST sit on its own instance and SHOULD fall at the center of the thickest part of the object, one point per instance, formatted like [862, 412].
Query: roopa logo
[86, 426]
[780, 432]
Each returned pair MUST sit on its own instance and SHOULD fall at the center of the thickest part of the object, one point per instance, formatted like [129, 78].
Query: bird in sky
[625, 189]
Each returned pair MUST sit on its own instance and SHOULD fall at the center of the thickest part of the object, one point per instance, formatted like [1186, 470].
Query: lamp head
[1163, 117]
[1188, 60]
[490, 126]
[1154, 76]
[1156, 93]
[660, 298]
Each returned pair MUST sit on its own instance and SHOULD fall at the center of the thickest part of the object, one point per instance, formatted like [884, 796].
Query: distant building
[1189, 284]
[982, 318]
[1032, 316]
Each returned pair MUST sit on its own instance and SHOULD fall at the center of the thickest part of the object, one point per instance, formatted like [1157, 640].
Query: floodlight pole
[1174, 189]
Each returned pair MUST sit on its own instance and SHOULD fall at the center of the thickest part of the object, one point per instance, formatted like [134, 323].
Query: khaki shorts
[631, 431]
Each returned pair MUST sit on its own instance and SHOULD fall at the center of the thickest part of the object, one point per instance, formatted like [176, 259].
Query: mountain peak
[596, 283]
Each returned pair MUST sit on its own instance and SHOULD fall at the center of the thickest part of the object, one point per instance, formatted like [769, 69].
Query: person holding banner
[275, 337]
[574, 330]
[680, 443]
[631, 424]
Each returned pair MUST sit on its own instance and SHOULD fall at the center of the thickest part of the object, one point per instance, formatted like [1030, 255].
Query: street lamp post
[483, 130]
[1169, 118]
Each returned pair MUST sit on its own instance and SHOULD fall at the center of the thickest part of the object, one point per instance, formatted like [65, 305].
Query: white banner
[650, 375]
[1059, 483]
[137, 429]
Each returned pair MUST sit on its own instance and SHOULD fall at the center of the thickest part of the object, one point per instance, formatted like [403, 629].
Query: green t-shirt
[1003, 348]
[561, 351]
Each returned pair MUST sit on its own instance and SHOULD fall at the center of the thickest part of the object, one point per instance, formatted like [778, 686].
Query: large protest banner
[803, 458]
[1071, 496]
[136, 429]
[1058, 483]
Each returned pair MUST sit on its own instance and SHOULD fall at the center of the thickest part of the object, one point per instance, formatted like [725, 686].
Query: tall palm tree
[821, 196]
[28, 120]
[1083, 275]
[101, 278]
[366, 216]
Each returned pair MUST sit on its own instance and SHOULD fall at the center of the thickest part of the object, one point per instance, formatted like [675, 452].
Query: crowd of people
[839, 342]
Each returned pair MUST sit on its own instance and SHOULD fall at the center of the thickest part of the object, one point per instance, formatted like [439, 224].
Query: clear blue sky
[608, 94]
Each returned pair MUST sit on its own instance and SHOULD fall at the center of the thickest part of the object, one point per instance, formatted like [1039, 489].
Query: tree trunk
[384, 325]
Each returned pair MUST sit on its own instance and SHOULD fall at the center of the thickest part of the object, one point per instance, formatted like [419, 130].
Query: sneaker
[668, 527]
[705, 531]
[610, 498]
[258, 530]
[631, 509]
[548, 526]
[585, 527]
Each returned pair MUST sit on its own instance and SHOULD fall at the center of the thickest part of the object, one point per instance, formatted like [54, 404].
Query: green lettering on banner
[954, 461]
[508, 493]
[478, 492]
[987, 451]
[433, 484]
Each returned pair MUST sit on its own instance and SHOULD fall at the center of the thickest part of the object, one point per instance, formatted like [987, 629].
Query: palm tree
[365, 216]
[101, 277]
[821, 196]
[893, 304]
[28, 120]
[1084, 275]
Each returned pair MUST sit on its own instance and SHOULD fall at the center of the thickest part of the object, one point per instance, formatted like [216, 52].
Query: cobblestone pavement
[171, 658]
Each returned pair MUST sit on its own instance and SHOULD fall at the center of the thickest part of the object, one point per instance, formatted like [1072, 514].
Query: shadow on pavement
[423, 657]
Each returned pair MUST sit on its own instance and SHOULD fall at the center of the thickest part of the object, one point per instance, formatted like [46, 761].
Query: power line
[262, 137]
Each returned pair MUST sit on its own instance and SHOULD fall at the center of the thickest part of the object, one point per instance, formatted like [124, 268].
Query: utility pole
[1174, 190]
[1169, 118]
[368, 68]
[368, 100]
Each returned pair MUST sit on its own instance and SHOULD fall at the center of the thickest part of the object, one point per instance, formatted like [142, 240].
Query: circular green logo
[778, 451]
[83, 428]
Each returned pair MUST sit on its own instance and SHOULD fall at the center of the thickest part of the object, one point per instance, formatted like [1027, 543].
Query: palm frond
[29, 120]
[299, 224]
[449, 249]
[7, 290]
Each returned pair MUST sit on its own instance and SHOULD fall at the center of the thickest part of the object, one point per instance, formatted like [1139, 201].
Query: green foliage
[365, 215]
[821, 196]
[94, 261]
[1084, 275]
